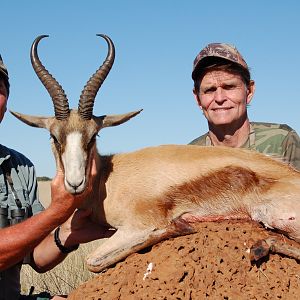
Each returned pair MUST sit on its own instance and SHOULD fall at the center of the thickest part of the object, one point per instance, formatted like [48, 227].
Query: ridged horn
[88, 95]
[56, 92]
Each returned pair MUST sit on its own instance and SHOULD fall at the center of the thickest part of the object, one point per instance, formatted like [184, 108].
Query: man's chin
[223, 122]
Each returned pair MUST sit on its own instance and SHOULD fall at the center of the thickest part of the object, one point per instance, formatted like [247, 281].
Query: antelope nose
[76, 185]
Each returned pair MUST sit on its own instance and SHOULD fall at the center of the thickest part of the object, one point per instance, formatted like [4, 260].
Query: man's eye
[209, 90]
[229, 87]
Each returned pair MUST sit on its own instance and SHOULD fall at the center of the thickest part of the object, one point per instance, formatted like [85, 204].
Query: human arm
[78, 229]
[19, 240]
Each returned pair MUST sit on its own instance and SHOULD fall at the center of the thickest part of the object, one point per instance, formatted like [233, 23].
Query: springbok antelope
[158, 192]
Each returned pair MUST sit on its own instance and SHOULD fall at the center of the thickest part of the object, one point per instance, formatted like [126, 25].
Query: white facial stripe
[74, 160]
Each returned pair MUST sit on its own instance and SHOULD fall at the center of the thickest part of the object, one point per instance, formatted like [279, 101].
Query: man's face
[223, 97]
[3, 99]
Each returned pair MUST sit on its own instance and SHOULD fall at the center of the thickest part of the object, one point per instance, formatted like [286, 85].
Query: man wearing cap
[25, 226]
[223, 88]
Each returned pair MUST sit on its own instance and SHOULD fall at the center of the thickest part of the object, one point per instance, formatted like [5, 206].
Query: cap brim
[210, 61]
[206, 62]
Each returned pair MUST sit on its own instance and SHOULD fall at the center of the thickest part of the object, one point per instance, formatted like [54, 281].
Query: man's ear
[197, 98]
[250, 91]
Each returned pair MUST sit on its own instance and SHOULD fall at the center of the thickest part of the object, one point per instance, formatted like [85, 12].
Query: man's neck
[230, 136]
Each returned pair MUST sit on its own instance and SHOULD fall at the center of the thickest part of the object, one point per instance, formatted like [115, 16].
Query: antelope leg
[128, 240]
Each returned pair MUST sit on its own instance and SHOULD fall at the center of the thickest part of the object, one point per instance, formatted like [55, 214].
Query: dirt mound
[213, 263]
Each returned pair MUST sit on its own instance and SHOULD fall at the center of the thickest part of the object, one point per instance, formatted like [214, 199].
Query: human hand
[64, 202]
[79, 229]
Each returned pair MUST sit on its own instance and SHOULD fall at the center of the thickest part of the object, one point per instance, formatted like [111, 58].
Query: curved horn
[56, 92]
[88, 95]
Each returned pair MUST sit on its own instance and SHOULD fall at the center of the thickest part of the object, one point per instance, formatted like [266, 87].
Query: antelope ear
[34, 121]
[114, 120]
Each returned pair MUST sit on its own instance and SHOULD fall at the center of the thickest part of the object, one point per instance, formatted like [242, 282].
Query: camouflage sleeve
[200, 141]
[291, 149]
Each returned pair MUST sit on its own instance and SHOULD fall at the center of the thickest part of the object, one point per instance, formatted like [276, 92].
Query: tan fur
[158, 192]
[144, 192]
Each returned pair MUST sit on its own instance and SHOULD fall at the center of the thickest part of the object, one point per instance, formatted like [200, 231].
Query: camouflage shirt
[277, 140]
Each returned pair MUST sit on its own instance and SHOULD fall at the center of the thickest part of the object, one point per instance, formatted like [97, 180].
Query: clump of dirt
[213, 263]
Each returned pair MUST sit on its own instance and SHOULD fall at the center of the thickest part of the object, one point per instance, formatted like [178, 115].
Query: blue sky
[156, 42]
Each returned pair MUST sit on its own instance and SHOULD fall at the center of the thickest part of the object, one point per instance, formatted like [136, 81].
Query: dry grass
[63, 278]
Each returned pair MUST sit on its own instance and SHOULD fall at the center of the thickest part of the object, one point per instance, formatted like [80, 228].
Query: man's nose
[220, 95]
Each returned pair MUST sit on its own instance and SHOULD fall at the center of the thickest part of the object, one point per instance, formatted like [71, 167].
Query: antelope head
[73, 132]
